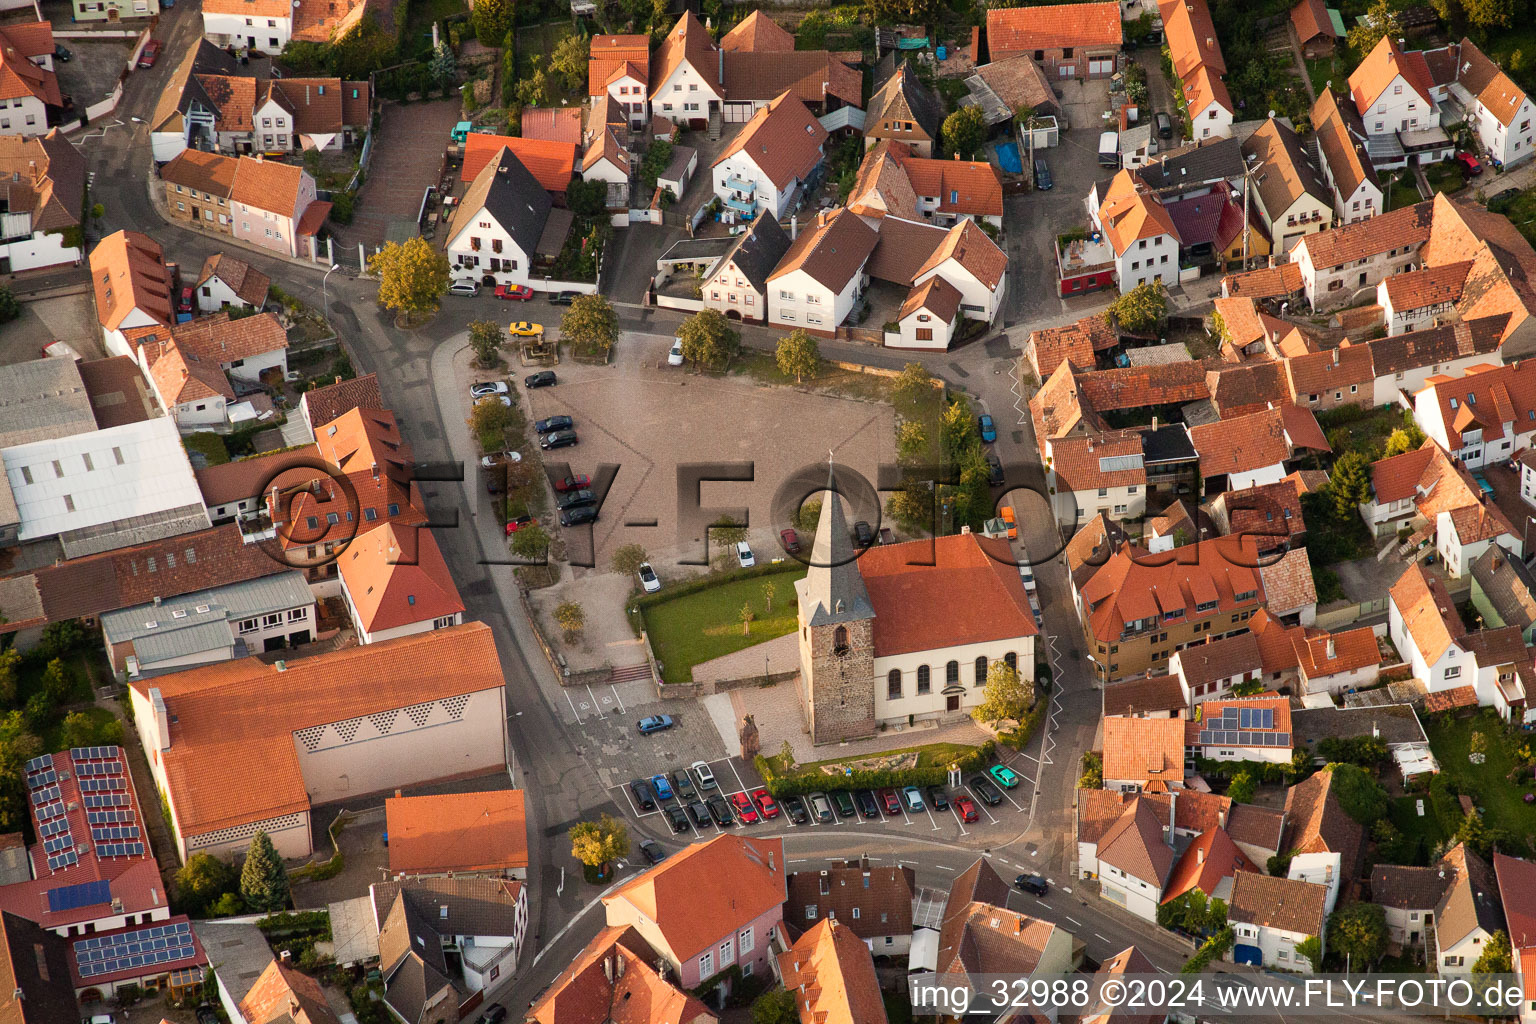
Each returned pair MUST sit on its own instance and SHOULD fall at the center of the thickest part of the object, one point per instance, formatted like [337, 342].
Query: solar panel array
[73, 897]
[45, 794]
[100, 768]
[112, 833]
[89, 785]
[109, 817]
[143, 947]
[119, 849]
[106, 800]
[1236, 726]
[49, 829]
[66, 859]
[78, 754]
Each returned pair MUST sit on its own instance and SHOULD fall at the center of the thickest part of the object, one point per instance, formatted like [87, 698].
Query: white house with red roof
[1242, 729]
[974, 264]
[396, 583]
[1484, 416]
[769, 159]
[686, 85]
[1517, 893]
[1068, 41]
[1134, 858]
[1392, 90]
[1139, 229]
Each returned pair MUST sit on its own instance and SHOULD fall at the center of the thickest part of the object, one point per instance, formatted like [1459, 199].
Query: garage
[1101, 67]
[1251, 955]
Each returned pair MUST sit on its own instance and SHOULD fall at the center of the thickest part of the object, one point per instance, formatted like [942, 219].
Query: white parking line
[573, 705]
[1003, 790]
[958, 819]
[734, 772]
[1044, 904]
[596, 704]
[981, 804]
[941, 867]
[617, 698]
[929, 811]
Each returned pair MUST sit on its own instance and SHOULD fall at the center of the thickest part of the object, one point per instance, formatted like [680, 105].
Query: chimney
[285, 955]
[794, 226]
[1199, 855]
[1335, 357]
[618, 966]
[1154, 424]
[770, 860]
[338, 380]
[157, 600]
[1172, 799]
[162, 718]
[397, 794]
[608, 969]
[1330, 646]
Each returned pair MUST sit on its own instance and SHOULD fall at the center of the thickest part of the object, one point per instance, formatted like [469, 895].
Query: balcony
[746, 206]
[739, 185]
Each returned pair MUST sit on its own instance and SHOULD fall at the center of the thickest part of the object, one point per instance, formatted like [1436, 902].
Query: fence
[101, 108]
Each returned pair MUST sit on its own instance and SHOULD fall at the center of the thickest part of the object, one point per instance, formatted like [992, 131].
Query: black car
[863, 534]
[578, 516]
[494, 1014]
[795, 808]
[542, 379]
[652, 851]
[61, 54]
[1043, 180]
[983, 788]
[554, 423]
[682, 783]
[559, 439]
[994, 470]
[1032, 884]
[867, 805]
[207, 1015]
[936, 798]
[643, 794]
[562, 298]
[699, 813]
[720, 811]
[576, 499]
[844, 803]
[677, 818]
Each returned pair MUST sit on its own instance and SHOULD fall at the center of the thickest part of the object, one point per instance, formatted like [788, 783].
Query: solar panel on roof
[63, 860]
[1269, 718]
[53, 810]
[128, 950]
[73, 897]
[42, 778]
[57, 843]
[43, 761]
[106, 800]
[42, 796]
[1244, 719]
[1282, 739]
[53, 828]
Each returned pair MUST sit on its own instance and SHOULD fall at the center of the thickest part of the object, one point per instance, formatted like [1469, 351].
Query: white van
[1109, 150]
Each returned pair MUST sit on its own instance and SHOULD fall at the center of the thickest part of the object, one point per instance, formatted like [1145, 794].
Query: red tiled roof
[457, 832]
[128, 271]
[1246, 443]
[1266, 282]
[550, 163]
[1015, 30]
[971, 248]
[688, 41]
[1206, 861]
[589, 989]
[1079, 462]
[1076, 342]
[1311, 20]
[783, 140]
[1485, 397]
[607, 53]
[243, 478]
[1338, 369]
[1405, 227]
[1430, 287]
[1134, 586]
[1427, 612]
[831, 972]
[1144, 749]
[1381, 67]
[758, 33]
[1450, 700]
[552, 124]
[961, 186]
[1517, 892]
[398, 577]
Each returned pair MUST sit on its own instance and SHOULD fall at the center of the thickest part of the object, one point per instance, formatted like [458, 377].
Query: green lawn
[1419, 836]
[1445, 177]
[1522, 213]
[1329, 69]
[1488, 783]
[541, 40]
[1401, 191]
[707, 624]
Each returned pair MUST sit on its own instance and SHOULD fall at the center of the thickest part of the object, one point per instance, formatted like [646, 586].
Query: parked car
[744, 555]
[994, 470]
[989, 794]
[890, 801]
[704, 775]
[742, 805]
[682, 783]
[514, 292]
[863, 535]
[559, 439]
[187, 302]
[503, 399]
[795, 808]
[150, 54]
[720, 811]
[765, 804]
[677, 818]
[652, 851]
[525, 329]
[790, 541]
[62, 55]
[936, 798]
[913, 797]
[1043, 180]
[1164, 125]
[648, 580]
[562, 298]
[644, 798]
[573, 483]
[844, 802]
[987, 427]
[867, 804]
[550, 424]
[887, 536]
[1006, 514]
[822, 808]
[487, 388]
[1027, 577]
[542, 379]
[467, 287]
[675, 353]
[661, 787]
[1004, 776]
[575, 499]
[1032, 884]
[965, 808]
[579, 516]
[495, 459]
[518, 522]
[1469, 164]
[699, 812]
[655, 723]
[495, 1013]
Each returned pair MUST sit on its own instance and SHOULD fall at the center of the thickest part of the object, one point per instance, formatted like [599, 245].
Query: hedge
[699, 583]
[1214, 947]
[1020, 737]
[801, 783]
[1265, 771]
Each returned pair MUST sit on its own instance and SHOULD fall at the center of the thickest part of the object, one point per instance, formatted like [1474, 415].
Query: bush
[693, 586]
[802, 783]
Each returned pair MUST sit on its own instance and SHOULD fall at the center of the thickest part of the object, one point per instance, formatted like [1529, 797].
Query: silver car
[821, 807]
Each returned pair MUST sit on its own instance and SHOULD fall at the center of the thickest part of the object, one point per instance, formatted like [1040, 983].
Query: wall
[259, 34]
[1214, 122]
[743, 168]
[42, 249]
[1158, 261]
[252, 367]
[1398, 108]
[822, 316]
[940, 333]
[977, 301]
[932, 704]
[1126, 890]
[1319, 869]
[686, 89]
[214, 295]
[730, 290]
[25, 116]
[1272, 943]
[1336, 286]
[471, 263]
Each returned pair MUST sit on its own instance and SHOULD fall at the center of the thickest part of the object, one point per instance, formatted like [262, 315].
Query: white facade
[1213, 122]
[604, 169]
[730, 291]
[1273, 755]
[274, 130]
[1149, 259]
[25, 115]
[1459, 958]
[1415, 379]
[1337, 285]
[252, 367]
[738, 178]
[1474, 452]
[1399, 108]
[686, 95]
[629, 92]
[1307, 215]
[921, 705]
[911, 328]
[1277, 945]
[977, 301]
[484, 248]
[1406, 321]
[395, 632]
[36, 249]
[799, 300]
[1319, 869]
[213, 295]
[1247, 478]
[208, 413]
[1118, 503]
[1137, 895]
[269, 35]
[1508, 144]
[1451, 669]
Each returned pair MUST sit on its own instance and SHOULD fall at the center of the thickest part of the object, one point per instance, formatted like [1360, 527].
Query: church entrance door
[952, 702]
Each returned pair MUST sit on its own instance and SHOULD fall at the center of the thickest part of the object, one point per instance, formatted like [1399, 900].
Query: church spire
[834, 588]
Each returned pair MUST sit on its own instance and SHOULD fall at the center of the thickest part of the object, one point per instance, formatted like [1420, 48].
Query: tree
[768, 590]
[1242, 787]
[1407, 438]
[10, 309]
[1141, 310]
[587, 198]
[493, 21]
[597, 844]
[60, 638]
[81, 730]
[912, 385]
[1093, 771]
[412, 277]
[747, 615]
[533, 90]
[10, 665]
[98, 211]
[58, 682]
[776, 1007]
[1350, 485]
[1007, 695]
[485, 339]
[571, 619]
[591, 325]
[958, 432]
[263, 879]
[1380, 20]
[708, 338]
[911, 440]
[808, 516]
[727, 532]
[1360, 796]
[201, 881]
[964, 132]
[1311, 947]
[530, 543]
[1247, 687]
[626, 559]
[569, 61]
[488, 421]
[444, 66]
[1497, 957]
[1359, 931]
[798, 354]
[18, 745]
[1486, 14]
[1480, 837]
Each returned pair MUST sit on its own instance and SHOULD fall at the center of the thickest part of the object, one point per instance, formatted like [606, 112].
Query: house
[1484, 416]
[133, 287]
[619, 67]
[34, 974]
[281, 994]
[1281, 282]
[31, 89]
[818, 78]
[555, 124]
[1199, 66]
[296, 115]
[608, 161]
[1006, 88]
[1271, 513]
[892, 181]
[832, 975]
[874, 903]
[228, 282]
[1498, 109]
[1148, 697]
[1336, 264]
[708, 907]
[274, 205]
[1469, 912]
[1392, 90]
[685, 85]
[1315, 660]
[197, 188]
[1105, 1007]
[1139, 230]
[618, 968]
[323, 405]
[43, 179]
[302, 737]
[1139, 611]
[1315, 28]
[246, 349]
[1078, 342]
[1404, 363]
[1293, 198]
[979, 935]
[1517, 883]
[1140, 751]
[1256, 831]
[266, 26]
[1103, 473]
[1396, 725]
[1332, 378]
[418, 923]
[1431, 491]
[1242, 729]
[1174, 528]
[1258, 448]
[457, 835]
[737, 283]
[1504, 592]
[1419, 298]
[975, 265]
[499, 226]
[110, 963]
[928, 318]
[1210, 670]
[551, 163]
[1325, 842]
[1270, 916]
[1210, 864]
[819, 279]
[396, 583]
[1409, 895]
[1357, 192]
[1134, 859]
[234, 490]
[758, 33]
[770, 160]
[904, 110]
[1068, 41]
[111, 10]
[1428, 631]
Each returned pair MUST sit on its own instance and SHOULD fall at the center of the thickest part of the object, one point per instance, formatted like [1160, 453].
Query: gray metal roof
[41, 400]
[833, 590]
[202, 638]
[216, 605]
[506, 190]
[238, 953]
[757, 251]
[688, 250]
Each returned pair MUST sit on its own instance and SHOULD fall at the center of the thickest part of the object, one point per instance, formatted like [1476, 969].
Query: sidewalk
[158, 201]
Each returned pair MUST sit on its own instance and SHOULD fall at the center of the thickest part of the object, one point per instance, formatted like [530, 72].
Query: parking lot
[93, 70]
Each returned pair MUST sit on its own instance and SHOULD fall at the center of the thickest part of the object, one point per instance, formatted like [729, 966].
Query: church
[905, 632]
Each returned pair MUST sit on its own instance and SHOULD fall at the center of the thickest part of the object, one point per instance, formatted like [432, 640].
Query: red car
[520, 292]
[790, 540]
[185, 303]
[518, 523]
[150, 54]
[891, 802]
[573, 483]
[1469, 164]
[765, 803]
[745, 812]
[965, 807]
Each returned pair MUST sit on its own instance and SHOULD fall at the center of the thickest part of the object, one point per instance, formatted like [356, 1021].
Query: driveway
[93, 69]
[407, 155]
[70, 318]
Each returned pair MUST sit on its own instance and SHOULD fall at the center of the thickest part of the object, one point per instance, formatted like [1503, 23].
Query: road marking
[800, 860]
[1074, 921]
[961, 821]
[931, 820]
[982, 804]
[1100, 937]
[734, 772]
[595, 702]
[1044, 904]
[941, 867]
[616, 697]
[572, 704]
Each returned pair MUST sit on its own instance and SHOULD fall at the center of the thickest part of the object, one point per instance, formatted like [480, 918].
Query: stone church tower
[837, 626]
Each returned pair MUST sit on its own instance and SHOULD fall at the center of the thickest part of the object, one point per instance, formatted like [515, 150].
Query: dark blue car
[654, 723]
[988, 430]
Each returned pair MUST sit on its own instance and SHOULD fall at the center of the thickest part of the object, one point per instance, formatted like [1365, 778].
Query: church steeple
[834, 588]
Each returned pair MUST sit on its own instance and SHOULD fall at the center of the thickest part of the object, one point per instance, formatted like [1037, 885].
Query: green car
[1004, 776]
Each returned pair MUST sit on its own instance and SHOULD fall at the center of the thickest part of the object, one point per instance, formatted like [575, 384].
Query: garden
[719, 616]
[1488, 760]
